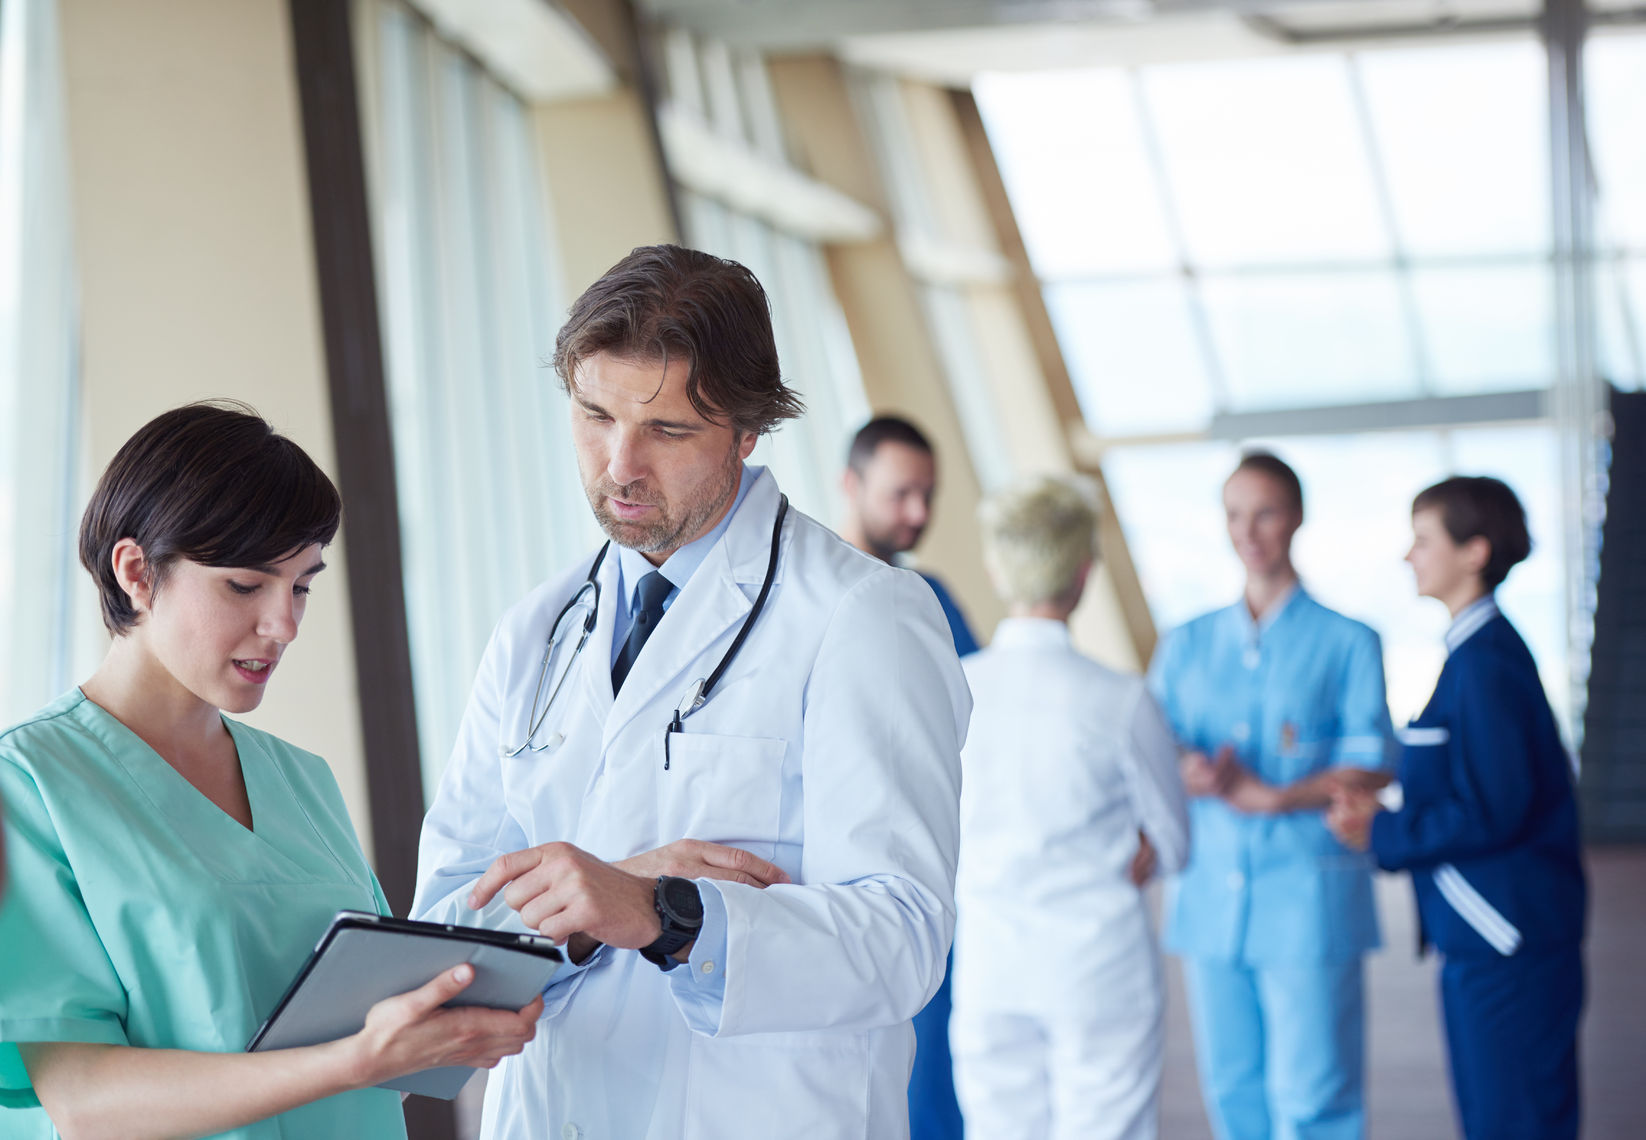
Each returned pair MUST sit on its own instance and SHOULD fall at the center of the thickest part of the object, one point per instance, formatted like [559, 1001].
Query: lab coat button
[1236, 880]
[571, 1132]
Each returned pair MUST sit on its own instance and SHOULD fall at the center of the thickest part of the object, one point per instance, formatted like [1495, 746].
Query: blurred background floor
[1407, 1089]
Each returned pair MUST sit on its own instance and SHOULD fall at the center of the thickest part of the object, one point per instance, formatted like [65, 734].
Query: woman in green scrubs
[170, 868]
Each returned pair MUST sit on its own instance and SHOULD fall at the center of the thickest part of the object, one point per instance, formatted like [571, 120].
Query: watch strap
[675, 932]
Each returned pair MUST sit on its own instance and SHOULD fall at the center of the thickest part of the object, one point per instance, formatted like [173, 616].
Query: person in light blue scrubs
[171, 867]
[1276, 701]
[889, 485]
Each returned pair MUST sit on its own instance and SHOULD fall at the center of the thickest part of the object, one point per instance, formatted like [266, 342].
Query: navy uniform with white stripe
[1489, 832]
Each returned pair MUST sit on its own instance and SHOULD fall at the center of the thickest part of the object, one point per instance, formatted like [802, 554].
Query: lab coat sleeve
[860, 940]
[469, 825]
[1365, 736]
[700, 999]
[1493, 785]
[57, 983]
[1154, 784]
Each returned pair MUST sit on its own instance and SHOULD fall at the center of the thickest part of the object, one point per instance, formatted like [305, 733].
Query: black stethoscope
[587, 597]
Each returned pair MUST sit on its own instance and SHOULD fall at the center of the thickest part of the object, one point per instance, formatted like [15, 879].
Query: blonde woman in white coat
[1070, 801]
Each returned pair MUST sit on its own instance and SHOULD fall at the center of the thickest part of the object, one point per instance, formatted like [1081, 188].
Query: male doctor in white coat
[754, 890]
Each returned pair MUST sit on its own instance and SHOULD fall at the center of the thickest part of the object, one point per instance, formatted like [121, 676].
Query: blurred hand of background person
[1350, 815]
[1144, 862]
[1246, 791]
[1213, 776]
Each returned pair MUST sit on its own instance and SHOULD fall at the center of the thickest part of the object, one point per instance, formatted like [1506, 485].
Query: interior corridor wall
[197, 279]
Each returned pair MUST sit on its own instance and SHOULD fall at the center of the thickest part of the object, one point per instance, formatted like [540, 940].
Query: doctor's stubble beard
[670, 531]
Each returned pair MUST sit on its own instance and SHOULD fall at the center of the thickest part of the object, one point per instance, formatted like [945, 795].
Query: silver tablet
[364, 958]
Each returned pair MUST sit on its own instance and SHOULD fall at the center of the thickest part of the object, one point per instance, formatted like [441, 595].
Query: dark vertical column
[324, 54]
[1577, 399]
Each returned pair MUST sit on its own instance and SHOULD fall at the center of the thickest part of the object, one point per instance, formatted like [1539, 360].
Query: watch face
[684, 903]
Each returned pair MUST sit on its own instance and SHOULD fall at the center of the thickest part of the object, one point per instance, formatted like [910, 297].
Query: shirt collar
[1255, 629]
[1030, 633]
[679, 567]
[1468, 623]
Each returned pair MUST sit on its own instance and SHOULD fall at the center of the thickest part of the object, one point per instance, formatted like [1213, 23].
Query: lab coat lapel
[718, 596]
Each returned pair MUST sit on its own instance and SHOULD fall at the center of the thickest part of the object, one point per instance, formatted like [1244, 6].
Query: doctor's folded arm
[718, 759]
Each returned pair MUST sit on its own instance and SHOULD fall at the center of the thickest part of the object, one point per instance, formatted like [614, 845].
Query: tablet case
[364, 958]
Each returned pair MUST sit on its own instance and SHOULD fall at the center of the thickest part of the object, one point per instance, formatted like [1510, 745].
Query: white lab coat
[1057, 991]
[830, 747]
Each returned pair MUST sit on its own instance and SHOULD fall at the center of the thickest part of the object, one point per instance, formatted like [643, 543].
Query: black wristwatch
[680, 909]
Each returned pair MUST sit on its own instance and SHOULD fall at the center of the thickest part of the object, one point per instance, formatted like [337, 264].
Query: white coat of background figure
[1058, 1004]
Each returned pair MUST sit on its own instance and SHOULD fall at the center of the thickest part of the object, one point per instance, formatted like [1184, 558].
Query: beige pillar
[196, 273]
[902, 373]
[608, 190]
[1032, 400]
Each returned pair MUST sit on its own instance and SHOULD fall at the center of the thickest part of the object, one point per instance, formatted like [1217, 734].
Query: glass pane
[1487, 329]
[1620, 302]
[1133, 355]
[1265, 161]
[1072, 156]
[1310, 339]
[1463, 136]
[1615, 68]
[1169, 502]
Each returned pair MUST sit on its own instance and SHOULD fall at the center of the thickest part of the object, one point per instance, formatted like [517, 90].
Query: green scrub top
[139, 913]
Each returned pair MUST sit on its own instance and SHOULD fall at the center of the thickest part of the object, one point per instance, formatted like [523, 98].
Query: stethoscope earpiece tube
[705, 687]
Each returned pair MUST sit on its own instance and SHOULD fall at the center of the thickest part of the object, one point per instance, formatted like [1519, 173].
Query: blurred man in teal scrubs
[1276, 702]
[889, 483]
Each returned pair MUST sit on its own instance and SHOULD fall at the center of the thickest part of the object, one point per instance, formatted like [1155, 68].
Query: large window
[490, 500]
[48, 634]
[1251, 252]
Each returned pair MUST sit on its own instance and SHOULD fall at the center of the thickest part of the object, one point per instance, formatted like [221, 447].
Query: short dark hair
[1276, 468]
[884, 429]
[211, 482]
[1478, 506]
[665, 300]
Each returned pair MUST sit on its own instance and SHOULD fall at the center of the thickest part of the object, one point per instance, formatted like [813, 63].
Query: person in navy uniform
[1488, 828]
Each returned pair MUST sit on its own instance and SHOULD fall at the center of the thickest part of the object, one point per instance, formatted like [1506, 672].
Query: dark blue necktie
[654, 588]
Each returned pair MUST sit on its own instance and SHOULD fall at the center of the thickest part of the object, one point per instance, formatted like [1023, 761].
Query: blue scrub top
[1295, 693]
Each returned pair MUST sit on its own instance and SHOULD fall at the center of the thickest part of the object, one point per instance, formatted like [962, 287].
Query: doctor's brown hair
[211, 482]
[1478, 506]
[665, 302]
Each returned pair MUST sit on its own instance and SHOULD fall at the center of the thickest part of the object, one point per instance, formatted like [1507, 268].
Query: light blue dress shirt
[1300, 691]
[702, 999]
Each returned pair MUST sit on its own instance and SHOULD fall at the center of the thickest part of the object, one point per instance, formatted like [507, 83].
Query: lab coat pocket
[723, 789]
[800, 1086]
